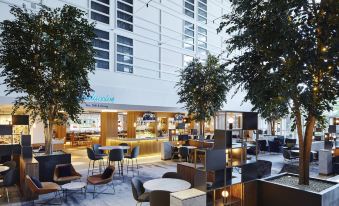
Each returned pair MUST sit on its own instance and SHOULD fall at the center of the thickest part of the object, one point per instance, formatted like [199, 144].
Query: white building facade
[141, 46]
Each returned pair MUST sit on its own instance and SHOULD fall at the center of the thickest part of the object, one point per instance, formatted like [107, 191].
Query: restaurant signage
[102, 99]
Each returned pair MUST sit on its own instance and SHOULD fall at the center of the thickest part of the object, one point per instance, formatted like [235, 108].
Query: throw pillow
[65, 171]
[36, 182]
[107, 173]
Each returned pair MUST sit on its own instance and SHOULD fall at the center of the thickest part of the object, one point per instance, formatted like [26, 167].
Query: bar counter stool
[117, 155]
[134, 156]
[92, 157]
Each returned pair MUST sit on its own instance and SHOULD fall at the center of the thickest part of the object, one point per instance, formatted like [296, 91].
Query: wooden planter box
[270, 193]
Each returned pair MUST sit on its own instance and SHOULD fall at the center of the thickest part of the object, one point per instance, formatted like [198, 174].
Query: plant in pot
[288, 53]
[202, 89]
[46, 58]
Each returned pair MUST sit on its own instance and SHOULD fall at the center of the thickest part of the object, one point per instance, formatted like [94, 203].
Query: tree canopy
[46, 58]
[202, 88]
[285, 55]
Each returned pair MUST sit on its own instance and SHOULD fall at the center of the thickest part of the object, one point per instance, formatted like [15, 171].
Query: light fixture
[134, 124]
[230, 122]
[224, 194]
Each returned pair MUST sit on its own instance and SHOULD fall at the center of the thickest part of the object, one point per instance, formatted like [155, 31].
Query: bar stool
[117, 155]
[134, 155]
[92, 157]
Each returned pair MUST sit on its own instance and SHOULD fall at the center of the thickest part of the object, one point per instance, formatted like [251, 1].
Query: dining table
[167, 184]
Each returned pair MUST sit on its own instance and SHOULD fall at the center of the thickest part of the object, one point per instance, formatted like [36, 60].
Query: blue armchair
[274, 146]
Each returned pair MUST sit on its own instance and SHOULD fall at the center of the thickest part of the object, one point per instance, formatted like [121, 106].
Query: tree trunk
[272, 124]
[202, 128]
[48, 138]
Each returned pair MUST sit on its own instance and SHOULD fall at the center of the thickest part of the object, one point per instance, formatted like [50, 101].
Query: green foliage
[283, 63]
[202, 88]
[46, 58]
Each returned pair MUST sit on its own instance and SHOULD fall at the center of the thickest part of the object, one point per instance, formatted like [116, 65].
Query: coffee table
[74, 186]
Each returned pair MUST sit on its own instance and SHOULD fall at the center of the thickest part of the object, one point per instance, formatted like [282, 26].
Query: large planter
[47, 164]
[271, 193]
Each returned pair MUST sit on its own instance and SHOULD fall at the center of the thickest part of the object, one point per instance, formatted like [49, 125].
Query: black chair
[175, 152]
[10, 164]
[160, 198]
[262, 144]
[9, 180]
[124, 144]
[335, 164]
[97, 151]
[290, 143]
[184, 153]
[117, 155]
[287, 154]
[208, 137]
[93, 158]
[274, 146]
[172, 175]
[138, 191]
[256, 170]
[134, 156]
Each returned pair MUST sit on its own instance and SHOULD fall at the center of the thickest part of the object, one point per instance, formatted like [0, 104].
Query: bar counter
[148, 146]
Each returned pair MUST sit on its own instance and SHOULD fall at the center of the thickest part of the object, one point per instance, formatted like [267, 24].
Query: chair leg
[94, 192]
[136, 161]
[7, 194]
[89, 167]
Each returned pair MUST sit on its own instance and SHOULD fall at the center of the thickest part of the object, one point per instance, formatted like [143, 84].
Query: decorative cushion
[65, 171]
[107, 173]
[36, 182]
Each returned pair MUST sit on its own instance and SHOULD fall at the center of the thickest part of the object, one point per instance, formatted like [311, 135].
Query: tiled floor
[150, 167]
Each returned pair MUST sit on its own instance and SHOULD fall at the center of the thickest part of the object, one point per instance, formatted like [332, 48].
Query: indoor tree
[202, 89]
[46, 57]
[287, 50]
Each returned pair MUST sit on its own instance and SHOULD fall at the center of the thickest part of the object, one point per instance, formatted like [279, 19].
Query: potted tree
[202, 89]
[289, 52]
[46, 58]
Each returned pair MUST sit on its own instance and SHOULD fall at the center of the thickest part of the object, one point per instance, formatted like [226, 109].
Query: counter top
[140, 139]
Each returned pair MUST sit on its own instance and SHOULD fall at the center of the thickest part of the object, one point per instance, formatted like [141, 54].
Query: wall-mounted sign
[102, 99]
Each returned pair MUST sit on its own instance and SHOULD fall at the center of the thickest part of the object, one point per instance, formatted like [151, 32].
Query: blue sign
[102, 99]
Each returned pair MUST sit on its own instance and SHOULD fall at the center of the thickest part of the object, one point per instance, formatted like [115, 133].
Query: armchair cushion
[65, 170]
[36, 182]
[107, 173]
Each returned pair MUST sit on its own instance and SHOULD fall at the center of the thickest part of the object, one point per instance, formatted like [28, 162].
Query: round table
[167, 184]
[113, 147]
[74, 186]
[3, 168]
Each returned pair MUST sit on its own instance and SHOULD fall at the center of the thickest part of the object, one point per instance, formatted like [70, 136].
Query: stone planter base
[270, 193]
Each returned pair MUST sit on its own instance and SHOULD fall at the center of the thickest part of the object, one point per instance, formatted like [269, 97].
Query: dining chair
[173, 175]
[117, 155]
[124, 144]
[184, 153]
[133, 156]
[93, 158]
[105, 179]
[8, 180]
[160, 198]
[138, 191]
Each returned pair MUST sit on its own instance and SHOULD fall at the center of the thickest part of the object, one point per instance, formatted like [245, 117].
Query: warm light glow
[231, 120]
[324, 49]
[134, 124]
[225, 193]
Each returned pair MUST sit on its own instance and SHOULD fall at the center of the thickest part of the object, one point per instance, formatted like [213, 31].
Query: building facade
[140, 47]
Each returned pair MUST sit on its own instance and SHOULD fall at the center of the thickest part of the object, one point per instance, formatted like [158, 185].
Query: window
[188, 37]
[100, 11]
[189, 8]
[202, 11]
[202, 42]
[187, 60]
[101, 47]
[125, 14]
[124, 54]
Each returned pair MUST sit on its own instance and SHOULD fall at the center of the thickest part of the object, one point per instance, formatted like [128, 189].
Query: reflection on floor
[150, 167]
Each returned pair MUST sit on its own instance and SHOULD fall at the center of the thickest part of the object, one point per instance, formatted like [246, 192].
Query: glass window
[101, 54]
[188, 37]
[99, 7]
[202, 11]
[101, 44]
[125, 7]
[99, 17]
[124, 54]
[101, 64]
[124, 40]
[124, 68]
[124, 16]
[189, 32]
[124, 25]
[189, 8]
[202, 30]
[101, 34]
[104, 1]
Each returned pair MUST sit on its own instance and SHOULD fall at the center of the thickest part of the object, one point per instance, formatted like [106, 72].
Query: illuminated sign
[102, 99]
